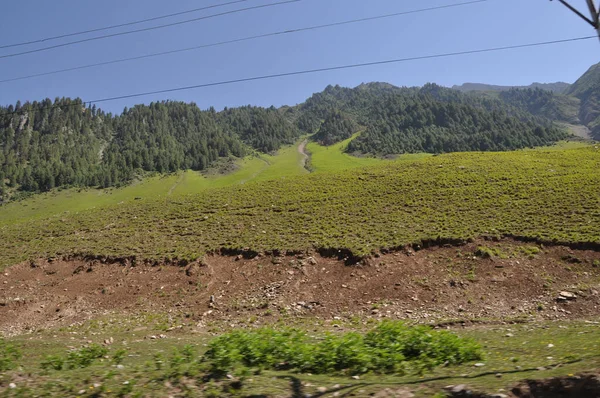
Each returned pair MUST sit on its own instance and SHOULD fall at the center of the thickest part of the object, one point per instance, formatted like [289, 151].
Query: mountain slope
[544, 103]
[587, 90]
[53, 144]
[558, 87]
[429, 119]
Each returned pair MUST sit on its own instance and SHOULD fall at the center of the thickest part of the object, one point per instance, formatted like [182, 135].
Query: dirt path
[179, 180]
[302, 151]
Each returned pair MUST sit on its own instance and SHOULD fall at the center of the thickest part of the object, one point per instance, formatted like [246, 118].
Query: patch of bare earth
[430, 286]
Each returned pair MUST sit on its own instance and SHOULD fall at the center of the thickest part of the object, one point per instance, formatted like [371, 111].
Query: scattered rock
[12, 385]
[567, 296]
[322, 389]
[192, 270]
[479, 365]
[509, 335]
[550, 345]
[356, 377]
[459, 389]
[390, 393]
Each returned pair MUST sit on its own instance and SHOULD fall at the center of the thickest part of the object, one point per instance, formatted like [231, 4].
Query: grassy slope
[56, 203]
[545, 194]
[333, 158]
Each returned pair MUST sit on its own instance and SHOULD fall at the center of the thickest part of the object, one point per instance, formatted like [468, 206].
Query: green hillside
[62, 144]
[550, 195]
[587, 89]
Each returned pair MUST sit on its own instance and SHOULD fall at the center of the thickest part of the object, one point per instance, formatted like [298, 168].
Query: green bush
[85, 356]
[53, 362]
[81, 358]
[391, 347]
[8, 355]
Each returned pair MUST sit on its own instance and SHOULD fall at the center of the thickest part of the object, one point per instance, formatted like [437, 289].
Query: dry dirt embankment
[431, 286]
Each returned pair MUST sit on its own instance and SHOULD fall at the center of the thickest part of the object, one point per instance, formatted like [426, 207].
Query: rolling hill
[61, 143]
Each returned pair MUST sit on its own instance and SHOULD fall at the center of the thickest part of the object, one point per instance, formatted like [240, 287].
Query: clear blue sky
[495, 23]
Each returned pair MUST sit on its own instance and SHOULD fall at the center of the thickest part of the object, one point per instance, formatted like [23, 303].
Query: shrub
[53, 362]
[8, 355]
[85, 356]
[391, 347]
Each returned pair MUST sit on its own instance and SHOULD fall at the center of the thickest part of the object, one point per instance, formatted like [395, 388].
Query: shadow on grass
[297, 388]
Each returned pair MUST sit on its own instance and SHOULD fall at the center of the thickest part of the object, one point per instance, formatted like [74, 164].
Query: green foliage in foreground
[174, 366]
[75, 359]
[8, 355]
[391, 347]
[546, 195]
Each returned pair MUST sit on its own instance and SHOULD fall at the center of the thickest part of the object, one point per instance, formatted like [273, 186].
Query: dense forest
[59, 143]
[336, 127]
[429, 119]
[49, 144]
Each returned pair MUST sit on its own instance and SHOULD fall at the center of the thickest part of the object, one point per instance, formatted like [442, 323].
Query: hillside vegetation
[48, 144]
[547, 195]
[61, 143]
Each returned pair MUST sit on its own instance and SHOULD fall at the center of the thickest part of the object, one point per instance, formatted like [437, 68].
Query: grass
[177, 365]
[547, 195]
[333, 158]
[286, 163]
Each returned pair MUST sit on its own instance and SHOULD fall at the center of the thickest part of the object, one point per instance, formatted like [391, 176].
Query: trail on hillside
[179, 180]
[305, 156]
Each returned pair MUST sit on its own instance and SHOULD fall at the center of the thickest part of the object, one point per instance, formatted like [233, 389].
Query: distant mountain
[544, 103]
[62, 143]
[587, 90]
[558, 87]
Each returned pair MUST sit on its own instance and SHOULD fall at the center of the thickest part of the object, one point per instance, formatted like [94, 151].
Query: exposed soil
[302, 151]
[434, 285]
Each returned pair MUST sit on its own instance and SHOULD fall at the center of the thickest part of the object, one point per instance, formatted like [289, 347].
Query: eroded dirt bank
[481, 280]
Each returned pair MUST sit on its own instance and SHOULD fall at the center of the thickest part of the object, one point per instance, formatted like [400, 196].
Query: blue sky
[490, 24]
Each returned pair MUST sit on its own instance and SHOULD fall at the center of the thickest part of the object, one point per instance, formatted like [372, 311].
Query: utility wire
[249, 38]
[119, 25]
[147, 29]
[332, 68]
[340, 67]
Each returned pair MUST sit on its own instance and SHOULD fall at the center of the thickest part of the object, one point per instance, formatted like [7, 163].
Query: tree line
[60, 143]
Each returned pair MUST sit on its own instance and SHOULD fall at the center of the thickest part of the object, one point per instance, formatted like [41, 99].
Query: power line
[332, 68]
[120, 25]
[249, 38]
[327, 69]
[147, 29]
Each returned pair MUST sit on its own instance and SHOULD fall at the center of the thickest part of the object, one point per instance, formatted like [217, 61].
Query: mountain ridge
[557, 87]
[50, 144]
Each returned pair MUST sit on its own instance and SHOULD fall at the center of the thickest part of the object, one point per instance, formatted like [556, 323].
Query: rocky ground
[483, 281]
